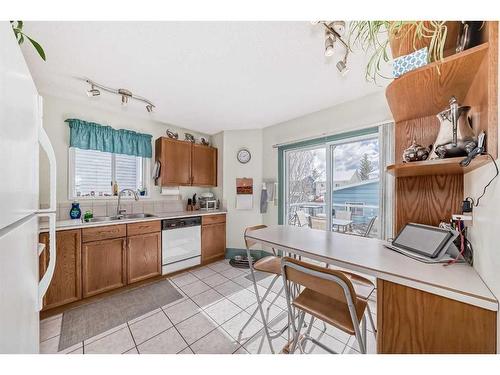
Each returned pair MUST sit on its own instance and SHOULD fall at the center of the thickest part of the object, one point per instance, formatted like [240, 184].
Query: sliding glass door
[334, 186]
[355, 186]
[306, 191]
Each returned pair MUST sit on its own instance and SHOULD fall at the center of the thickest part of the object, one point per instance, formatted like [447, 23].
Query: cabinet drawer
[104, 233]
[213, 219]
[143, 227]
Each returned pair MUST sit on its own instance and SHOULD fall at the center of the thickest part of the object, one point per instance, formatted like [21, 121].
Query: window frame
[146, 164]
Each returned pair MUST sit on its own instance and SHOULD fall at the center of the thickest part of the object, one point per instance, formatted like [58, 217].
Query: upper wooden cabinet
[204, 166]
[66, 284]
[185, 164]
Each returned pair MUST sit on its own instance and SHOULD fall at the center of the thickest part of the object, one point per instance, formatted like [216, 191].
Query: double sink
[119, 217]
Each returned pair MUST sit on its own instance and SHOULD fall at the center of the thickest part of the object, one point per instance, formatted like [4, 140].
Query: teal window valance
[92, 136]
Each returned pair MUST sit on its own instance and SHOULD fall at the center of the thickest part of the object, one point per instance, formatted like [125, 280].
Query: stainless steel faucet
[118, 210]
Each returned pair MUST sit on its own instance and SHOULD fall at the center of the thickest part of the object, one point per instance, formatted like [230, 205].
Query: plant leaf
[38, 48]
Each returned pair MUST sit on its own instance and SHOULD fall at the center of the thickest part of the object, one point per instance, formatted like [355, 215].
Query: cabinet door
[204, 166]
[103, 266]
[66, 284]
[175, 159]
[213, 242]
[143, 256]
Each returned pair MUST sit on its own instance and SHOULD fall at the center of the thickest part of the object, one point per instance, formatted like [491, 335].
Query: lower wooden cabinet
[103, 266]
[143, 256]
[213, 238]
[66, 284]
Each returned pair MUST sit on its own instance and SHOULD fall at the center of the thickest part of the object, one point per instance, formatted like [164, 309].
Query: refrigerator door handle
[49, 150]
[47, 277]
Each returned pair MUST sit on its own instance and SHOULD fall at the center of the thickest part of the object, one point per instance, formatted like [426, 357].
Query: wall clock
[244, 156]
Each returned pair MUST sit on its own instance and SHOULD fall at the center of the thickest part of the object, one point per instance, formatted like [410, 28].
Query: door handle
[49, 272]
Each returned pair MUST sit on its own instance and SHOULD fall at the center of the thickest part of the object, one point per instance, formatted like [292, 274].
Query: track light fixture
[333, 33]
[95, 90]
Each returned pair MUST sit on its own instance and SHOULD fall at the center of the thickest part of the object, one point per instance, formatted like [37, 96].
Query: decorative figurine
[204, 142]
[189, 137]
[172, 135]
[456, 136]
[416, 152]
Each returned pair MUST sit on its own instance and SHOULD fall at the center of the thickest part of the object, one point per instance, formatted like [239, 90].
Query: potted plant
[403, 37]
[17, 28]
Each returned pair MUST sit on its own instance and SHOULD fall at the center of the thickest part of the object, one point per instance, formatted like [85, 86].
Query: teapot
[456, 136]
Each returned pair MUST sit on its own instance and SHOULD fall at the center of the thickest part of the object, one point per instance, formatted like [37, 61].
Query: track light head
[342, 67]
[126, 94]
[93, 92]
[329, 41]
[149, 108]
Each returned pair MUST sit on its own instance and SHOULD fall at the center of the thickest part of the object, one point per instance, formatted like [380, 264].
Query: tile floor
[217, 302]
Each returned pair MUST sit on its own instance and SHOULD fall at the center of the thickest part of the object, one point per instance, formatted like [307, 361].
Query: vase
[75, 212]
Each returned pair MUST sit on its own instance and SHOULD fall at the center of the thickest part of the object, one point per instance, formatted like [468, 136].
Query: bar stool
[271, 265]
[364, 289]
[328, 295]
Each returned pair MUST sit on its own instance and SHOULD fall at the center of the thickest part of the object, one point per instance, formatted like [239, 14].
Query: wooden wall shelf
[456, 73]
[436, 167]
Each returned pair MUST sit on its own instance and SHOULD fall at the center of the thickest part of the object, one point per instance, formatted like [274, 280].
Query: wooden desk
[421, 308]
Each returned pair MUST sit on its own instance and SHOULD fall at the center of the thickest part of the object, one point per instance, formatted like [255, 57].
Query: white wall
[228, 143]
[484, 234]
[361, 113]
[57, 110]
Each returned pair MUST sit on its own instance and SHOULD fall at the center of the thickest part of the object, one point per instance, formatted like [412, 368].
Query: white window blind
[94, 171]
[128, 171]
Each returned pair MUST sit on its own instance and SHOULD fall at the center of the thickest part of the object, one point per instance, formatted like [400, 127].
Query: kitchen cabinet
[185, 164]
[66, 284]
[175, 159]
[204, 166]
[143, 256]
[213, 238]
[103, 265]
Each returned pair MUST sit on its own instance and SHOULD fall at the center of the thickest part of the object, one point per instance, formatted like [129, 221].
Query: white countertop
[77, 223]
[459, 282]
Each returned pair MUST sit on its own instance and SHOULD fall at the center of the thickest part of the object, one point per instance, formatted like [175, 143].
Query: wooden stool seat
[329, 310]
[363, 287]
[270, 264]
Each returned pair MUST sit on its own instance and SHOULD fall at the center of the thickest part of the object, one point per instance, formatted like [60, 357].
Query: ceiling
[204, 76]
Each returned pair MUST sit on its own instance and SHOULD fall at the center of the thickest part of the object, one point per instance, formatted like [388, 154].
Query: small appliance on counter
[207, 201]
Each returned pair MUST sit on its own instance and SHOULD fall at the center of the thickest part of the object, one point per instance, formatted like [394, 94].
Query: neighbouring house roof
[361, 183]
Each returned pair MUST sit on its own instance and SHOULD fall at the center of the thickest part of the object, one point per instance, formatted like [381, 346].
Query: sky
[347, 157]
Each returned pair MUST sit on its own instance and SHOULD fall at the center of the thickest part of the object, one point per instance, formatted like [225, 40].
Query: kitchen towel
[263, 199]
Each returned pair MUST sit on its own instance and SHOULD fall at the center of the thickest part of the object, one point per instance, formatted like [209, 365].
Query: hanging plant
[403, 37]
[17, 27]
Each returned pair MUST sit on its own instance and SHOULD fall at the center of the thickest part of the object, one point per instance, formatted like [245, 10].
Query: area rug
[86, 321]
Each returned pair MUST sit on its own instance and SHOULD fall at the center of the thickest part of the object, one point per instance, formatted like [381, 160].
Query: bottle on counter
[115, 188]
[75, 212]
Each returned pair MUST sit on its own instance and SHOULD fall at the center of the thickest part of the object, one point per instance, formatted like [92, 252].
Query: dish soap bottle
[115, 188]
[75, 211]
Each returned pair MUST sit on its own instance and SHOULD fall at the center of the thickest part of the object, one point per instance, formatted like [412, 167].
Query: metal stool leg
[297, 334]
[370, 317]
[257, 308]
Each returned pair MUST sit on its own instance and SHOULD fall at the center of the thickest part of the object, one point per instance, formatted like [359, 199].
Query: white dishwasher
[180, 243]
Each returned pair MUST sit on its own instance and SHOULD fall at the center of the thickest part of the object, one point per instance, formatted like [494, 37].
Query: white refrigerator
[21, 134]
